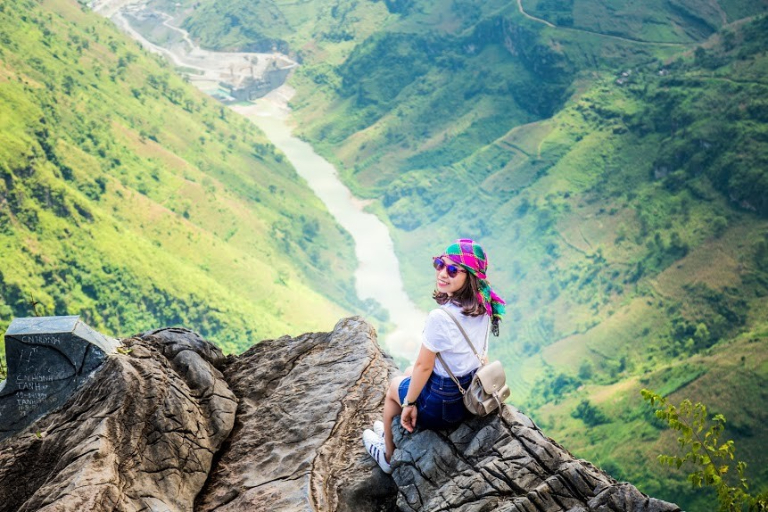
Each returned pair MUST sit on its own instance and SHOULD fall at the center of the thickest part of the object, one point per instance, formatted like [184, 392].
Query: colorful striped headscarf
[472, 257]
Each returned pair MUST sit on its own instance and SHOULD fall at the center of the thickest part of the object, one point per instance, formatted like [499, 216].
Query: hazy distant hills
[130, 198]
[611, 156]
[686, 21]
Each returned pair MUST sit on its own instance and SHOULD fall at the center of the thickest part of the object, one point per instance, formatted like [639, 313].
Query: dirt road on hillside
[108, 8]
[585, 31]
[522, 11]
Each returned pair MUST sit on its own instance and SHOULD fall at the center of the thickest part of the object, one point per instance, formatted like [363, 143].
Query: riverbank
[378, 275]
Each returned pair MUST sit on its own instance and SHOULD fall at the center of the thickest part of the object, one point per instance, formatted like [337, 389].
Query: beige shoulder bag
[488, 389]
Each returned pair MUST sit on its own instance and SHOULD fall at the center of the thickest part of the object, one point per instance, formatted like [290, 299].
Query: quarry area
[227, 76]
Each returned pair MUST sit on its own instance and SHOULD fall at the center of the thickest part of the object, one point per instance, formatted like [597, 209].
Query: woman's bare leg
[391, 409]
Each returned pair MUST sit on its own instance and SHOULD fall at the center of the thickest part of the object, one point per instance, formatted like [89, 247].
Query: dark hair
[465, 297]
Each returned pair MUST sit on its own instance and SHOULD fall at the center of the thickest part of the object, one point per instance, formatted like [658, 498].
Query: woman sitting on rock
[427, 397]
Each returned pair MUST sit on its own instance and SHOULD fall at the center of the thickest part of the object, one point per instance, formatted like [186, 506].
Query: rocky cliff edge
[170, 424]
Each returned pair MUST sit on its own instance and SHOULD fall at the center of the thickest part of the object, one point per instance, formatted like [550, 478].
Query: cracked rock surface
[506, 464]
[139, 435]
[304, 403]
[171, 424]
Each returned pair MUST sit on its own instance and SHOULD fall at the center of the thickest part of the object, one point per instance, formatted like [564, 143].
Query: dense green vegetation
[714, 463]
[617, 162]
[264, 25]
[655, 20]
[129, 198]
[615, 155]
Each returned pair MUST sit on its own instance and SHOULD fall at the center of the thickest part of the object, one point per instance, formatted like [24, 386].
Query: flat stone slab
[47, 358]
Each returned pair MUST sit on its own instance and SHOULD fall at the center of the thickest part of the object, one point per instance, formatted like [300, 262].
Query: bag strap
[453, 377]
[464, 333]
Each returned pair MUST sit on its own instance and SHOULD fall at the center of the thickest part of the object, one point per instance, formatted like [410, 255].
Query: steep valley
[615, 162]
[130, 198]
[611, 157]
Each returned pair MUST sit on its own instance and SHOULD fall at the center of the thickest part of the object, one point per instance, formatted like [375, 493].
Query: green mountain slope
[131, 199]
[653, 20]
[301, 28]
[675, 228]
[629, 233]
[617, 175]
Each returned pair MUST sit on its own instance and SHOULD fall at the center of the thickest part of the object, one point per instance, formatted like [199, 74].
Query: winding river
[378, 274]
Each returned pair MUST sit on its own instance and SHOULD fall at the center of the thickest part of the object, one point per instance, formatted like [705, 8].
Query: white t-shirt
[442, 335]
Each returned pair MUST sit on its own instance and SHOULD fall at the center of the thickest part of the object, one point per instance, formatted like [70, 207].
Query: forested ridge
[133, 200]
[616, 156]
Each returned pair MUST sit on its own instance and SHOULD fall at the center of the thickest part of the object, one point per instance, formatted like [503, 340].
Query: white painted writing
[42, 339]
[32, 386]
[36, 378]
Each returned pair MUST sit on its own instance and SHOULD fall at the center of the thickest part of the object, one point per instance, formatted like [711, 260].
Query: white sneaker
[376, 448]
[378, 427]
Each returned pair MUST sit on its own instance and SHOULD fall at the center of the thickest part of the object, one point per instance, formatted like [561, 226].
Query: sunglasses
[452, 270]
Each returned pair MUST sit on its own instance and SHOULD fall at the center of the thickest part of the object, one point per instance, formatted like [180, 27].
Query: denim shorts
[440, 403]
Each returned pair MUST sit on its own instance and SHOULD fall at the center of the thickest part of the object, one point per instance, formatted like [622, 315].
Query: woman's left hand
[408, 418]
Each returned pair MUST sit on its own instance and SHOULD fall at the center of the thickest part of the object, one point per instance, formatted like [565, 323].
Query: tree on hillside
[699, 440]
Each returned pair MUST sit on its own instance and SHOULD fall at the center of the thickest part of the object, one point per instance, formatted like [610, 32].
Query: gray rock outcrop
[48, 359]
[304, 403]
[505, 463]
[173, 425]
[139, 435]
